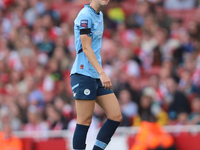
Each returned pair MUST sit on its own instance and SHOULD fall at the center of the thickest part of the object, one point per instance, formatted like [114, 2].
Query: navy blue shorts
[87, 88]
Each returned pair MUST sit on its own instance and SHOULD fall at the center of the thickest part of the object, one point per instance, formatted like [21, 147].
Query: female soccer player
[89, 82]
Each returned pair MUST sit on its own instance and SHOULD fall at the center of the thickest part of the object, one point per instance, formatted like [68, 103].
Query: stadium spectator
[176, 101]
[54, 118]
[143, 9]
[35, 122]
[185, 84]
[116, 15]
[8, 116]
[36, 96]
[128, 107]
[8, 140]
[148, 108]
[23, 106]
[194, 117]
[164, 21]
[129, 67]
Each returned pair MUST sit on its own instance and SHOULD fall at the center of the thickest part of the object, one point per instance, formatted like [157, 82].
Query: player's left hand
[106, 83]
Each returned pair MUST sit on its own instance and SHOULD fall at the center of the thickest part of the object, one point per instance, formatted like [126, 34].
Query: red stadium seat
[185, 15]
[128, 7]
[130, 141]
[27, 143]
[68, 10]
[51, 144]
[187, 141]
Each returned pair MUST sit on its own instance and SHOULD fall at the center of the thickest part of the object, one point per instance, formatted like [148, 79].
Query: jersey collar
[88, 6]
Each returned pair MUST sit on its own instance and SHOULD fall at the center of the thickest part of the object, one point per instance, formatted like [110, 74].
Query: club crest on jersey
[74, 94]
[84, 23]
[87, 92]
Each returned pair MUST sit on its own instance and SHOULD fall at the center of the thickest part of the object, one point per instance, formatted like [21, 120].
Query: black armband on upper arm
[85, 31]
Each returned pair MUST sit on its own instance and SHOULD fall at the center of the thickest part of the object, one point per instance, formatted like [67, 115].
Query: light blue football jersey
[88, 19]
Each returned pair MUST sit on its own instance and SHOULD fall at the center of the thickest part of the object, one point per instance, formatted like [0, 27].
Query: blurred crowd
[152, 59]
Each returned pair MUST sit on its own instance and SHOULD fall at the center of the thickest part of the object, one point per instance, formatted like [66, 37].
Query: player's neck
[96, 6]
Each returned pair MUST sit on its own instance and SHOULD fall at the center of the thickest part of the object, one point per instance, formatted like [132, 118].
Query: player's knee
[119, 118]
[116, 117]
[86, 121]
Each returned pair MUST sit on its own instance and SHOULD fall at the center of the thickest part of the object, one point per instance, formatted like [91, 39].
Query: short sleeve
[84, 23]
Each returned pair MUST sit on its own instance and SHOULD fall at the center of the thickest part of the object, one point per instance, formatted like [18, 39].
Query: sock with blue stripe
[105, 134]
[79, 138]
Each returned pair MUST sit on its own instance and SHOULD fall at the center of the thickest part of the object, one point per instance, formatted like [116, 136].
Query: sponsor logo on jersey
[87, 92]
[81, 67]
[84, 23]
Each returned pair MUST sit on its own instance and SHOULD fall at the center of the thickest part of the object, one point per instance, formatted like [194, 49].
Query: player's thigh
[110, 105]
[84, 110]
[84, 91]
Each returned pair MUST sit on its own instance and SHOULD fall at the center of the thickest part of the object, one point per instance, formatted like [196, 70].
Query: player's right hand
[106, 83]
